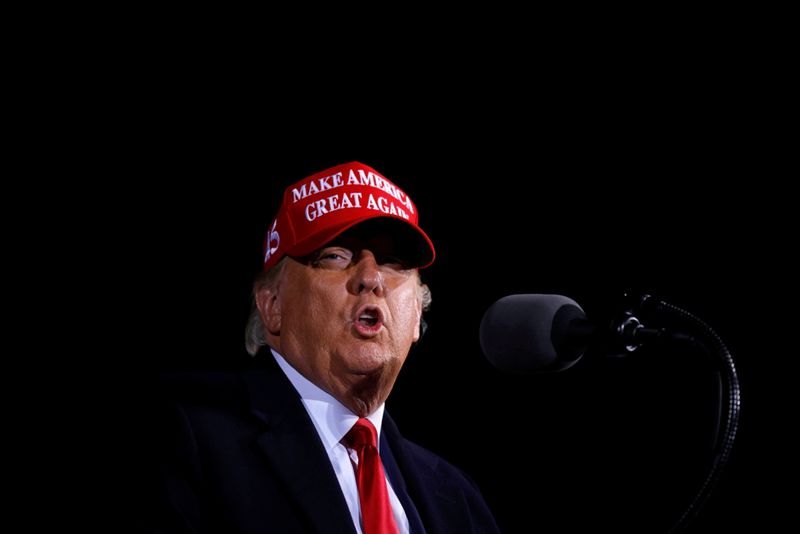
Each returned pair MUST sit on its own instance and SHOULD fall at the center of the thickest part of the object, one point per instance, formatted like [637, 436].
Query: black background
[582, 190]
[577, 154]
[618, 444]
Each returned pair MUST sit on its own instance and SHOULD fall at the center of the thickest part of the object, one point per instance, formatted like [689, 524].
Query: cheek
[406, 314]
[316, 306]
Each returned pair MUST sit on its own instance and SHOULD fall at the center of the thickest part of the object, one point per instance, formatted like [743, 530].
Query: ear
[269, 308]
[417, 330]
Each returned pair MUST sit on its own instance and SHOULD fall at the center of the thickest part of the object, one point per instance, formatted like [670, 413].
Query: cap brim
[413, 244]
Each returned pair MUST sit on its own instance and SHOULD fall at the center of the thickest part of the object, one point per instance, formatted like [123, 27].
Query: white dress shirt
[332, 421]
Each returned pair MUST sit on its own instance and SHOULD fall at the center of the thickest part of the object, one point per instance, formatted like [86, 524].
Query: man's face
[348, 315]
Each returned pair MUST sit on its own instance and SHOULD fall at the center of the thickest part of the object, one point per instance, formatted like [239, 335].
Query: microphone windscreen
[523, 333]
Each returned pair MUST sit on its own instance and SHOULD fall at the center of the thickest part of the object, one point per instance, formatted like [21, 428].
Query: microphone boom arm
[729, 401]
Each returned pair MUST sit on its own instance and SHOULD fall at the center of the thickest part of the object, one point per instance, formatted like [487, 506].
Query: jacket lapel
[423, 485]
[399, 485]
[294, 451]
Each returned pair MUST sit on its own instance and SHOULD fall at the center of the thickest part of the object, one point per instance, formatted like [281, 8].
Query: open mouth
[368, 320]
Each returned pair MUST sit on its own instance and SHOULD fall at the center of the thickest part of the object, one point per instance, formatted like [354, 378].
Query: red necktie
[376, 512]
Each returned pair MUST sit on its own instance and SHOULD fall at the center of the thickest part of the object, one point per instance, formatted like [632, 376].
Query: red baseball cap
[317, 209]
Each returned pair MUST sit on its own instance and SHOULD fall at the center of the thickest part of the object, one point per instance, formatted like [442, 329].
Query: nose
[367, 277]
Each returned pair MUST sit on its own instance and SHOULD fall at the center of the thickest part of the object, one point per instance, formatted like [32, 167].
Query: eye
[394, 262]
[335, 258]
[331, 256]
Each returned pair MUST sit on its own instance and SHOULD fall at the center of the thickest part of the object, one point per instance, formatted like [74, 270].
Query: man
[286, 447]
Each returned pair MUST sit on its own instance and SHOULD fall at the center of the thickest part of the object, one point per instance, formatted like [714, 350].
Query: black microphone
[540, 333]
[536, 333]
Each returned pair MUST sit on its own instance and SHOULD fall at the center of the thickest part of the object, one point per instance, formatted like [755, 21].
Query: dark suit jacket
[239, 453]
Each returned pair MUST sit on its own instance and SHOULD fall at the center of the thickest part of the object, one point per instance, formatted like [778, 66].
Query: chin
[369, 359]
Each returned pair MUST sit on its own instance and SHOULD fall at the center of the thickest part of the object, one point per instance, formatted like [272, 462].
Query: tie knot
[363, 433]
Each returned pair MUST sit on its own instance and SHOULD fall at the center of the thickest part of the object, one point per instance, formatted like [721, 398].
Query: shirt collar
[331, 418]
